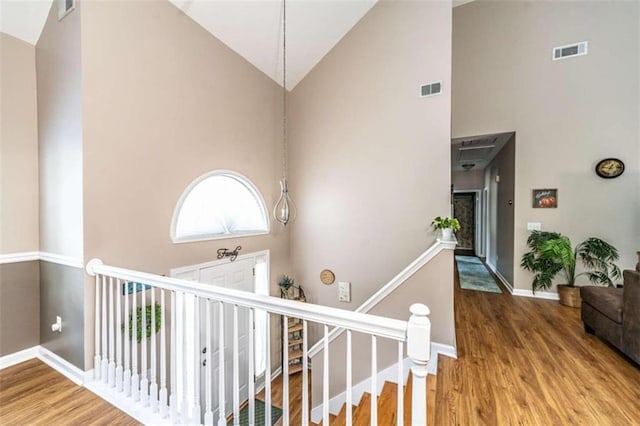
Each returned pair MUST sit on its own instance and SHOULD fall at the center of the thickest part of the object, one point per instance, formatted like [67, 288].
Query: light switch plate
[534, 226]
[344, 291]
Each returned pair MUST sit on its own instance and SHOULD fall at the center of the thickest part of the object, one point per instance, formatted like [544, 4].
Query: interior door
[236, 275]
[464, 211]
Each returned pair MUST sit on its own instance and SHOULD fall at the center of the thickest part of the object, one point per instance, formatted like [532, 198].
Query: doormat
[276, 413]
[475, 276]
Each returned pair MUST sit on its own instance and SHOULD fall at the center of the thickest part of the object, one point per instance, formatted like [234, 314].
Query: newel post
[419, 351]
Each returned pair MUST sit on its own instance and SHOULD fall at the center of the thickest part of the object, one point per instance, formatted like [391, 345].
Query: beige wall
[472, 179]
[60, 134]
[19, 147]
[429, 285]
[567, 114]
[165, 102]
[370, 159]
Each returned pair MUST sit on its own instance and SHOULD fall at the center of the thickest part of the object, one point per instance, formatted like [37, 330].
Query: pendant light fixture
[284, 210]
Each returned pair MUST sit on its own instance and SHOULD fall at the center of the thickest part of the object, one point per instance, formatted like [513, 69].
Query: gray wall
[61, 293]
[501, 229]
[567, 114]
[471, 179]
[19, 306]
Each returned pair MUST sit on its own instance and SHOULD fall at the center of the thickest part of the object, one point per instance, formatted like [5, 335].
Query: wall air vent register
[570, 50]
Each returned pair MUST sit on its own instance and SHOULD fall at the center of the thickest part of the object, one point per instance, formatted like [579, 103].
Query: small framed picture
[545, 198]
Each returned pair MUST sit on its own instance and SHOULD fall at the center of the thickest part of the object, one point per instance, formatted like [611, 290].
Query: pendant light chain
[285, 210]
[284, 88]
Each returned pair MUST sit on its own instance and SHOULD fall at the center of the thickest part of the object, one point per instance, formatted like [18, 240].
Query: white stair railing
[125, 338]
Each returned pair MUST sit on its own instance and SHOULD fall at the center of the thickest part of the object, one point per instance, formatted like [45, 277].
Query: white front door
[236, 275]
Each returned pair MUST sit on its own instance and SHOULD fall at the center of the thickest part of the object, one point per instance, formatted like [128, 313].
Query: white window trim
[208, 237]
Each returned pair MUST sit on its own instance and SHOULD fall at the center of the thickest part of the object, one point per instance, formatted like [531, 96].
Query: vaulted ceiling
[252, 28]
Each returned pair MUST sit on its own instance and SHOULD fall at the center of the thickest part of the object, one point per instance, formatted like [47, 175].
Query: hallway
[528, 361]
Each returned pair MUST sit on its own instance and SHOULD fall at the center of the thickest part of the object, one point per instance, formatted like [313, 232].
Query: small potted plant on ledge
[551, 253]
[289, 289]
[447, 225]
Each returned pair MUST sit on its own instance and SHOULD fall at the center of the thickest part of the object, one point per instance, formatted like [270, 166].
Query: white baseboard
[538, 294]
[389, 374]
[274, 374]
[54, 361]
[501, 277]
[18, 357]
[62, 366]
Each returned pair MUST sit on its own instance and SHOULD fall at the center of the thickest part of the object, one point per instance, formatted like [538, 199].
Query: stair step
[362, 414]
[331, 419]
[388, 404]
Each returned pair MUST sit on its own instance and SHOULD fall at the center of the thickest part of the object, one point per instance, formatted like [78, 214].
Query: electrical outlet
[344, 291]
[534, 226]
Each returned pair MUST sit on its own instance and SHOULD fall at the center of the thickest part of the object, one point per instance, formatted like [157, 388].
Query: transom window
[220, 204]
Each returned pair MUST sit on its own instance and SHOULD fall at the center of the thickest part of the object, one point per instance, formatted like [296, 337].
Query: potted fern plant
[448, 226]
[552, 254]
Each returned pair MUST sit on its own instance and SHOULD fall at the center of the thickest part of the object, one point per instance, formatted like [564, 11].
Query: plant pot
[569, 296]
[447, 233]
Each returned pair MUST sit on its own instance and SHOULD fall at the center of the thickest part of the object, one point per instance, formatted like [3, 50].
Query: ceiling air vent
[65, 7]
[570, 50]
[431, 89]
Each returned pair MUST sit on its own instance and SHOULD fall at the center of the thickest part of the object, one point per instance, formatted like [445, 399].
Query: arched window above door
[219, 204]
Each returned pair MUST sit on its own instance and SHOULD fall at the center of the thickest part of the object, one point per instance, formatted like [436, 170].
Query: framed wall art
[545, 198]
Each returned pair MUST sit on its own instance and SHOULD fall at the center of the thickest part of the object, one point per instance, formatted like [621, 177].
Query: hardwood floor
[32, 393]
[528, 361]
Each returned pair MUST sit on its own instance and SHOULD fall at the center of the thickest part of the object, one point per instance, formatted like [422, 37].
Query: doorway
[464, 209]
[247, 273]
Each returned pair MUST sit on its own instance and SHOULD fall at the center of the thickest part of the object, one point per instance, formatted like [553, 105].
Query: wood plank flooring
[528, 361]
[32, 393]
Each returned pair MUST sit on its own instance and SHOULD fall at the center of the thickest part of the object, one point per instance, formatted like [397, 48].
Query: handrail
[439, 245]
[341, 318]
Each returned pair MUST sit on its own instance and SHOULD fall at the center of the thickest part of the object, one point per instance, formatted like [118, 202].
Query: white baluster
[267, 376]
[163, 357]
[97, 360]
[285, 370]
[153, 388]
[119, 370]
[236, 370]
[112, 338]
[196, 416]
[325, 377]
[221, 380]
[349, 379]
[374, 381]
[400, 405]
[126, 380]
[104, 374]
[418, 350]
[305, 376]
[208, 415]
[182, 347]
[144, 381]
[251, 370]
[173, 398]
[135, 377]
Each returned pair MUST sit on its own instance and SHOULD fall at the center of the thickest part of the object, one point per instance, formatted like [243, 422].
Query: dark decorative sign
[545, 198]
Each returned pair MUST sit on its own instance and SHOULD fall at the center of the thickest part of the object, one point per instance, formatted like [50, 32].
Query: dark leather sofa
[613, 314]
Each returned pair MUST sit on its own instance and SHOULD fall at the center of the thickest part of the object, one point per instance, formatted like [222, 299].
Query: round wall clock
[609, 168]
[327, 276]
